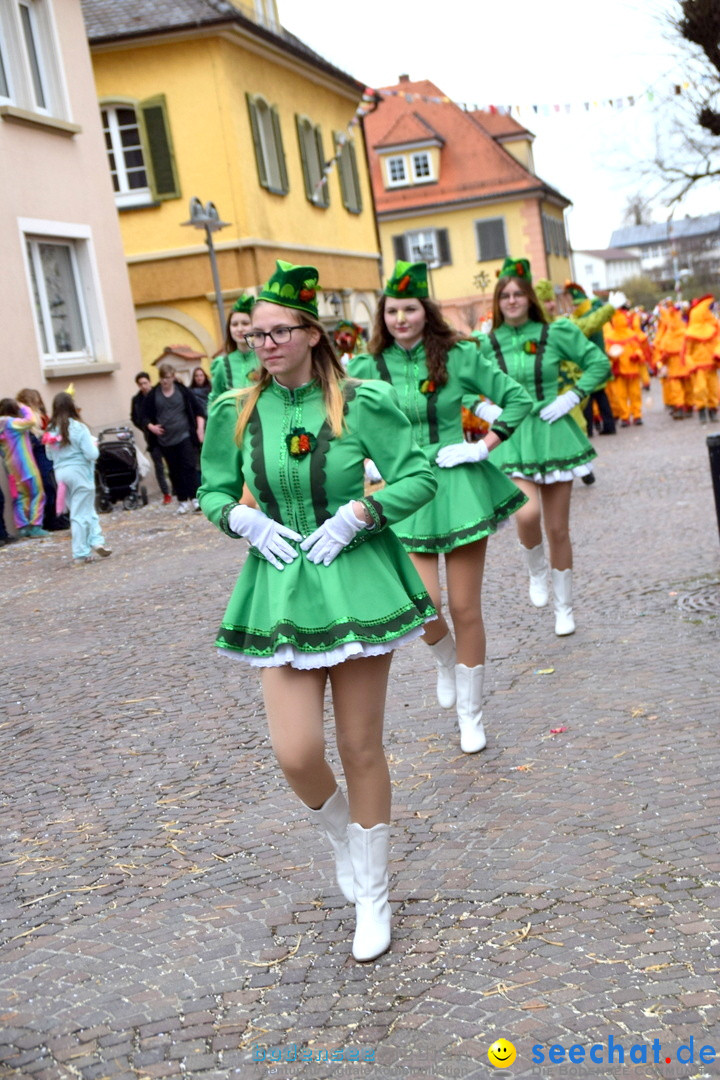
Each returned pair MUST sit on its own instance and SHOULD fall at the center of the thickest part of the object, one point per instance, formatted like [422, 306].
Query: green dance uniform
[472, 499]
[232, 372]
[532, 353]
[370, 598]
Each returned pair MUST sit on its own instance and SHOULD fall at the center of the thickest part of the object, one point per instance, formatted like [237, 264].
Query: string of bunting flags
[371, 99]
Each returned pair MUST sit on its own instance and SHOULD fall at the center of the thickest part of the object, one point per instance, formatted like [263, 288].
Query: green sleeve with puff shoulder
[479, 374]
[385, 435]
[217, 378]
[222, 465]
[363, 366]
[571, 344]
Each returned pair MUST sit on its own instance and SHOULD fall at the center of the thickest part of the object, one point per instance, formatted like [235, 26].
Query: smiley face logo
[501, 1054]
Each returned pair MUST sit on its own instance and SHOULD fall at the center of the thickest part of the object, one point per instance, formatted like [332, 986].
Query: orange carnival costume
[670, 361]
[627, 349]
[701, 341]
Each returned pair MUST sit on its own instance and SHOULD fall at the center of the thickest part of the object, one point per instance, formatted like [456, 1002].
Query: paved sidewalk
[167, 911]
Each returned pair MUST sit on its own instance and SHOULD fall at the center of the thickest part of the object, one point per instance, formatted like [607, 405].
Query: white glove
[328, 541]
[617, 299]
[485, 410]
[560, 406]
[371, 471]
[461, 453]
[264, 534]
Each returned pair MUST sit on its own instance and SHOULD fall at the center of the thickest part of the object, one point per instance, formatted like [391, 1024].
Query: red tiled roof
[499, 125]
[473, 166]
[408, 128]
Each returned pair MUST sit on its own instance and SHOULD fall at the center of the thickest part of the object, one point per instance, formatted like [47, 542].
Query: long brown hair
[326, 369]
[438, 338]
[64, 410]
[536, 312]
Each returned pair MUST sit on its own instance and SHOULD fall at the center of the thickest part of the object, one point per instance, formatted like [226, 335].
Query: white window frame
[404, 179]
[422, 178]
[88, 290]
[125, 196]
[18, 64]
[414, 247]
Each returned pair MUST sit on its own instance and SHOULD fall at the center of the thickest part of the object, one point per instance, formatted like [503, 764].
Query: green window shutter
[324, 195]
[443, 246]
[257, 142]
[301, 128]
[341, 169]
[356, 208]
[157, 141]
[399, 244]
[282, 167]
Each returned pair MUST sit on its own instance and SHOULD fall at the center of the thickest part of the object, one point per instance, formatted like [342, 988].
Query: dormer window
[422, 167]
[396, 171]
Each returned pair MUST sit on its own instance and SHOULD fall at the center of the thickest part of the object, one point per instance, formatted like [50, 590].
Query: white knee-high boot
[562, 590]
[369, 854]
[538, 570]
[443, 652]
[469, 707]
[334, 816]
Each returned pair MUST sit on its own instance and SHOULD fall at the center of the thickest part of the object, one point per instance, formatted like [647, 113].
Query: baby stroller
[116, 471]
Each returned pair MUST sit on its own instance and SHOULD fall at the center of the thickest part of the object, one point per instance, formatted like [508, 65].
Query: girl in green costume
[548, 449]
[236, 367]
[433, 369]
[325, 581]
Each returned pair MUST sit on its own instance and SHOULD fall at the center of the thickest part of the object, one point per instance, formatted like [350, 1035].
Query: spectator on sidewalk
[24, 480]
[201, 386]
[137, 416]
[73, 451]
[52, 521]
[173, 415]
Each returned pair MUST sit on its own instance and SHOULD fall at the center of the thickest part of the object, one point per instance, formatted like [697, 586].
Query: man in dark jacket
[174, 416]
[137, 415]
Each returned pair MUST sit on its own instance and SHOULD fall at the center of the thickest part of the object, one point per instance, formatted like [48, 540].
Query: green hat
[519, 268]
[244, 303]
[408, 281]
[293, 287]
[544, 289]
[577, 293]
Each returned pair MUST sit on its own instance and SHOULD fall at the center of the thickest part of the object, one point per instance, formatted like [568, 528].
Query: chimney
[404, 78]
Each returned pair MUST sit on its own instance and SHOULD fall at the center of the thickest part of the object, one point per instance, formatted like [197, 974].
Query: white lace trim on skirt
[305, 661]
[557, 476]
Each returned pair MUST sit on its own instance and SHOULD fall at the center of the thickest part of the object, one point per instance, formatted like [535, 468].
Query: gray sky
[525, 53]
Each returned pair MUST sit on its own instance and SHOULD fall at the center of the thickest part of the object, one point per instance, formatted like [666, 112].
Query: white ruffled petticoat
[306, 661]
[557, 476]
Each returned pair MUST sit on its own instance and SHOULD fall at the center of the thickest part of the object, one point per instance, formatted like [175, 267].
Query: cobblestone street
[167, 910]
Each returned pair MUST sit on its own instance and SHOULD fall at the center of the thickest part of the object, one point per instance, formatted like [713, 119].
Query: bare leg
[427, 567]
[528, 518]
[556, 515]
[359, 688]
[465, 567]
[294, 705]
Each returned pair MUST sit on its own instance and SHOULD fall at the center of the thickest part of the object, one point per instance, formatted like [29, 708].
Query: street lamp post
[206, 217]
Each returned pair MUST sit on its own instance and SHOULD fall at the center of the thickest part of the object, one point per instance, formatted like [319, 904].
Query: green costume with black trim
[532, 354]
[471, 498]
[370, 597]
[232, 372]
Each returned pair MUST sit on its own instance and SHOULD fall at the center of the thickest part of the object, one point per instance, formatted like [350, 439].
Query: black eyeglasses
[279, 336]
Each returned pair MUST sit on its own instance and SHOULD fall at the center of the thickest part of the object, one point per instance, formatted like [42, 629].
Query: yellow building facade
[231, 111]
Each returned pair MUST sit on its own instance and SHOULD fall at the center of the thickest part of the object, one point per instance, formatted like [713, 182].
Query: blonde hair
[326, 369]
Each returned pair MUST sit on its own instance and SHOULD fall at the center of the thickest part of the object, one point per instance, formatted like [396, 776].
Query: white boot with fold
[443, 652]
[562, 590]
[334, 816]
[369, 854]
[469, 682]
[538, 570]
